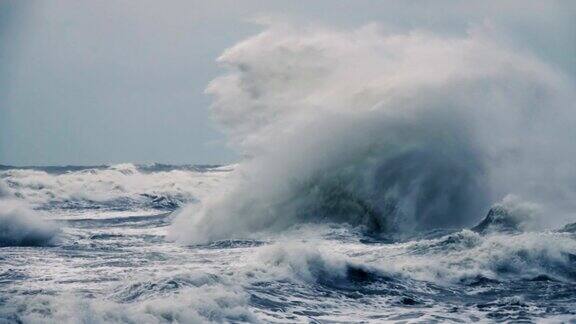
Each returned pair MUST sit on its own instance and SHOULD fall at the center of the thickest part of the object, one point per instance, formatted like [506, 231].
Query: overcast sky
[92, 82]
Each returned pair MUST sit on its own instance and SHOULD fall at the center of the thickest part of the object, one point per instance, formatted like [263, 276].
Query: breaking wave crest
[462, 257]
[20, 225]
[116, 187]
[395, 133]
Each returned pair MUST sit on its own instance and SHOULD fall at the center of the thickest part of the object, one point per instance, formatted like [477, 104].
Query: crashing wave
[464, 257]
[498, 220]
[302, 262]
[117, 187]
[499, 257]
[20, 225]
[510, 216]
[397, 133]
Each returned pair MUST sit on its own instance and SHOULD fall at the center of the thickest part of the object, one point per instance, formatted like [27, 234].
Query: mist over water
[396, 132]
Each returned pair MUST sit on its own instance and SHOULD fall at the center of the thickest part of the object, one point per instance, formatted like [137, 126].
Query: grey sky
[90, 82]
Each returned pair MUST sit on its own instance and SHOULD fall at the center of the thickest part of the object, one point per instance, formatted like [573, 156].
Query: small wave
[304, 262]
[20, 225]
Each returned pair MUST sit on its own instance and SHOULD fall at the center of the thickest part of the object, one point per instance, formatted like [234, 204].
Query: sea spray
[394, 133]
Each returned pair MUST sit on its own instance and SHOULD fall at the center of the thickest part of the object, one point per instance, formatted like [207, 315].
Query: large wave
[394, 132]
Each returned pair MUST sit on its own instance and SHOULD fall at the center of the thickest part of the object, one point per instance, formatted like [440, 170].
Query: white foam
[19, 224]
[206, 304]
[122, 181]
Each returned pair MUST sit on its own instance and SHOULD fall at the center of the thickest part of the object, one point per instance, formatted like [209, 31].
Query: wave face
[396, 133]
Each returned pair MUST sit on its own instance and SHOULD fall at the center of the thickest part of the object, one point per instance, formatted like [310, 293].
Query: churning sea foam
[393, 132]
[119, 184]
[19, 224]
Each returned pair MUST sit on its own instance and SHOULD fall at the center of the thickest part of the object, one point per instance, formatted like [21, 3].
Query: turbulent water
[386, 177]
[97, 252]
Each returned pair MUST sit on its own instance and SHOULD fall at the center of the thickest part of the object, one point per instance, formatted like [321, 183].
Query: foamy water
[112, 262]
[386, 177]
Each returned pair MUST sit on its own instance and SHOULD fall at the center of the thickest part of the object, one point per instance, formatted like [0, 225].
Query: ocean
[94, 245]
[383, 175]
